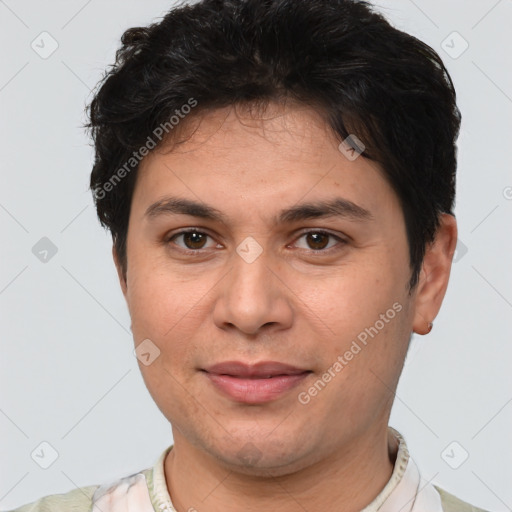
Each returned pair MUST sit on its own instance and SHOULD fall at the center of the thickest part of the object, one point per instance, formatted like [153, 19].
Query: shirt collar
[406, 490]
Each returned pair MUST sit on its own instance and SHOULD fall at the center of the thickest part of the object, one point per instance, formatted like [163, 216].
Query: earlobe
[122, 280]
[435, 274]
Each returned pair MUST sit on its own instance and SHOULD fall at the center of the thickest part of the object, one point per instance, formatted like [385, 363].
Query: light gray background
[68, 374]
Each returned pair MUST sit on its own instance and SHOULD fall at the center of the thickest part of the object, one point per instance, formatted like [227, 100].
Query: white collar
[406, 490]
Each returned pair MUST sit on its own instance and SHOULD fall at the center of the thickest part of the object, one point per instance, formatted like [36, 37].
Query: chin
[260, 458]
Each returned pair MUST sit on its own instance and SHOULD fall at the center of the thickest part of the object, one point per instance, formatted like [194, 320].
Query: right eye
[192, 240]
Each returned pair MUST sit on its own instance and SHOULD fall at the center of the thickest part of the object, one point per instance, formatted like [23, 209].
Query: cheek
[150, 304]
[351, 298]
[365, 317]
[162, 300]
[363, 358]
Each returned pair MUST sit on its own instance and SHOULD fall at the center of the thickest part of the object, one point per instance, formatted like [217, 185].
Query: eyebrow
[337, 207]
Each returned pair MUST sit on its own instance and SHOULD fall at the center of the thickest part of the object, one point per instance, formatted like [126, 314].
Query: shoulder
[453, 504]
[143, 491]
[128, 493]
[77, 500]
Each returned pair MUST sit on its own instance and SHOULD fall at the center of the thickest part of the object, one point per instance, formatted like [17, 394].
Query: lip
[257, 370]
[254, 384]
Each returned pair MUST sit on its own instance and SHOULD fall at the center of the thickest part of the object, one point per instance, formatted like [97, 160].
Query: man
[278, 178]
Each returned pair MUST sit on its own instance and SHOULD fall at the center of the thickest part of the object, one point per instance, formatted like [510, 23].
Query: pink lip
[250, 383]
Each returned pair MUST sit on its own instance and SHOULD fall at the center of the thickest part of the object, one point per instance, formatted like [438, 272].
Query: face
[249, 274]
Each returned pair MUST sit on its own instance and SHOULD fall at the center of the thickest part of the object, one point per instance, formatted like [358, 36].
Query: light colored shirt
[146, 491]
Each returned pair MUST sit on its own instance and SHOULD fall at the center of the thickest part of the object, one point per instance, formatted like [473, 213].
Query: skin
[294, 304]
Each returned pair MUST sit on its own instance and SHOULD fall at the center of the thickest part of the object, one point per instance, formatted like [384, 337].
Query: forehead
[245, 157]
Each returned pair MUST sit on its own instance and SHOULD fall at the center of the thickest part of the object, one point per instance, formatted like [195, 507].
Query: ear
[122, 280]
[434, 275]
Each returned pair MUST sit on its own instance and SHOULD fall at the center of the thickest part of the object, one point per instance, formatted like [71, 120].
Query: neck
[348, 480]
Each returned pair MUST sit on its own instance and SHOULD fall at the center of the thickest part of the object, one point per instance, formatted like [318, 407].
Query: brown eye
[194, 240]
[318, 241]
[191, 240]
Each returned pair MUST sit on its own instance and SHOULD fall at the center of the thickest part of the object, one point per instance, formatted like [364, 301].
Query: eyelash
[197, 252]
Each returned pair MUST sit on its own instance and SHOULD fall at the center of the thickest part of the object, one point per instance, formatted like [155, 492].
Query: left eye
[319, 240]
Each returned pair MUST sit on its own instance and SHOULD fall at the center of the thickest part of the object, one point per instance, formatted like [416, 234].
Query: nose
[253, 297]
